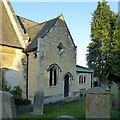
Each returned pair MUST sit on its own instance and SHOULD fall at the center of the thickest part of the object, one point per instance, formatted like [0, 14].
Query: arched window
[53, 74]
[82, 79]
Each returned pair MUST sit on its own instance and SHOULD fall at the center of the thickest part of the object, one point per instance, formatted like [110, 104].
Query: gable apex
[41, 29]
[61, 16]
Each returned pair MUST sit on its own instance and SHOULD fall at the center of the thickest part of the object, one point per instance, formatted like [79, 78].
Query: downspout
[27, 76]
[91, 79]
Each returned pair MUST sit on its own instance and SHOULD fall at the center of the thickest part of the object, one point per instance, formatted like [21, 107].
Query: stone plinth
[97, 103]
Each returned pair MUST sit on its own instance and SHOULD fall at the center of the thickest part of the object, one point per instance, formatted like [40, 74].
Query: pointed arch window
[53, 74]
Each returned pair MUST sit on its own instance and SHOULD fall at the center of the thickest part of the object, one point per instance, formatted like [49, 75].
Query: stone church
[40, 57]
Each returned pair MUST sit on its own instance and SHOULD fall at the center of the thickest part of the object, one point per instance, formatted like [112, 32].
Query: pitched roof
[81, 69]
[8, 35]
[40, 29]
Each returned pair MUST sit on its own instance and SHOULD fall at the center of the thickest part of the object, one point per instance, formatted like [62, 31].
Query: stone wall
[12, 61]
[49, 54]
[97, 103]
[87, 83]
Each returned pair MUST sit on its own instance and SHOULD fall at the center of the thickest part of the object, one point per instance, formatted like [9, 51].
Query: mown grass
[115, 114]
[75, 109]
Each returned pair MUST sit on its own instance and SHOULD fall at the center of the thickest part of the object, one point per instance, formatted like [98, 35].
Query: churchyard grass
[75, 109]
[115, 113]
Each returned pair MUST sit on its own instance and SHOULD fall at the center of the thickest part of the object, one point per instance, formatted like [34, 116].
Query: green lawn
[75, 109]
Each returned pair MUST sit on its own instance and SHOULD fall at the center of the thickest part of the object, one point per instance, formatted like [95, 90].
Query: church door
[66, 86]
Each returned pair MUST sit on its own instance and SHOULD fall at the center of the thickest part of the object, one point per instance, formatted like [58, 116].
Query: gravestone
[114, 90]
[115, 93]
[7, 106]
[97, 103]
[38, 103]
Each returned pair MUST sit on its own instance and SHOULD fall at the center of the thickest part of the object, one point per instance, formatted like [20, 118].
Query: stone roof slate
[8, 36]
[40, 29]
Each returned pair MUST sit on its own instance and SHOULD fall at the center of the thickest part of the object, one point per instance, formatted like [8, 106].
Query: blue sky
[78, 16]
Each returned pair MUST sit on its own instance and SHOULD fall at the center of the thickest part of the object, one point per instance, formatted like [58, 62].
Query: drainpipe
[91, 79]
[27, 76]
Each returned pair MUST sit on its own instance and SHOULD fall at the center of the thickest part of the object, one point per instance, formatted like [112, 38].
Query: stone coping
[97, 90]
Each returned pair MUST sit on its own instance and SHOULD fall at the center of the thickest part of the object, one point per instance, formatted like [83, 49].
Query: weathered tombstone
[7, 104]
[97, 103]
[114, 90]
[38, 103]
[115, 93]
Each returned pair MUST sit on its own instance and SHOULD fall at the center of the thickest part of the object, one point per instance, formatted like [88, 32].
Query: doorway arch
[67, 79]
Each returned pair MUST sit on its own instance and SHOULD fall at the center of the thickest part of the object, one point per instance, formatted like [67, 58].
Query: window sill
[53, 86]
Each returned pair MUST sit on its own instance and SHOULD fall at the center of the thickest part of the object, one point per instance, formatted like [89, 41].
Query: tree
[104, 47]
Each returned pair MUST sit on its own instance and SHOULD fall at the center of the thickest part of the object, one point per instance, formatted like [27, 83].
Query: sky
[78, 16]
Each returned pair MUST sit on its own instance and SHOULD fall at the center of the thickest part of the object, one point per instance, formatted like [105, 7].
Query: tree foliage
[104, 50]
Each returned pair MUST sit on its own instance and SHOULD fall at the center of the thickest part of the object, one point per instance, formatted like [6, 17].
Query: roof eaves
[12, 46]
[84, 72]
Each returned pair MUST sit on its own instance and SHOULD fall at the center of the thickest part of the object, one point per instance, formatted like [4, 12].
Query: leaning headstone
[7, 104]
[97, 103]
[38, 103]
[115, 93]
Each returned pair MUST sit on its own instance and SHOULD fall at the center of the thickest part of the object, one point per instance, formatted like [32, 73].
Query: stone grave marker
[115, 93]
[38, 103]
[114, 90]
[7, 105]
[97, 103]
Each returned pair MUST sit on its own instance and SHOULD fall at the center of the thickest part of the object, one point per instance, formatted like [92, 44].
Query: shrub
[16, 91]
[5, 86]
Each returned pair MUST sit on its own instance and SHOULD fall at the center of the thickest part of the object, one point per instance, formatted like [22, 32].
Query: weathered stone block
[38, 103]
[116, 93]
[114, 90]
[97, 103]
[8, 105]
